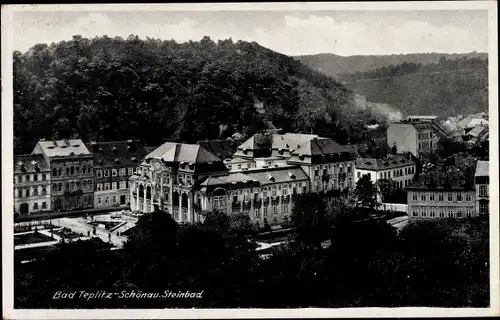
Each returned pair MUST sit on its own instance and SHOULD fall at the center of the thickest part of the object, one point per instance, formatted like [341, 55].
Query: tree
[218, 222]
[366, 193]
[310, 218]
[241, 223]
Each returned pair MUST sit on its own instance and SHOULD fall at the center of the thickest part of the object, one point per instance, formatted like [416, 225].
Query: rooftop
[62, 148]
[482, 169]
[391, 161]
[180, 152]
[30, 163]
[111, 153]
[221, 148]
[445, 178]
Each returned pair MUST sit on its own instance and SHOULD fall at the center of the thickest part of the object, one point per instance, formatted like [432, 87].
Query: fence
[394, 207]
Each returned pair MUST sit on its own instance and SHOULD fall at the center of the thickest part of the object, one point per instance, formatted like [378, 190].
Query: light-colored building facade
[417, 135]
[396, 168]
[482, 182]
[31, 184]
[114, 163]
[71, 166]
[446, 192]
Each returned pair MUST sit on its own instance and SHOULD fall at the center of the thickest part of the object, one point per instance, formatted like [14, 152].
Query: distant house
[476, 134]
[418, 135]
[471, 122]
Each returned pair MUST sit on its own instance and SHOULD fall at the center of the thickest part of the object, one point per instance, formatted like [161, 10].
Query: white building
[396, 168]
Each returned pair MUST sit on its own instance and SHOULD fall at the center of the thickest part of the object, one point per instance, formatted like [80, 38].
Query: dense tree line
[367, 264]
[112, 89]
[446, 88]
[335, 66]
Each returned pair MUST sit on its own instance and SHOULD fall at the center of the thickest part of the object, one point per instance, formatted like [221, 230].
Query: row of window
[107, 200]
[27, 192]
[332, 170]
[424, 136]
[36, 207]
[459, 197]
[442, 213]
[425, 145]
[113, 186]
[73, 186]
[30, 177]
[115, 172]
[71, 171]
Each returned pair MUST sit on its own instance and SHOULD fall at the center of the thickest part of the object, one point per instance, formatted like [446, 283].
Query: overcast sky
[292, 33]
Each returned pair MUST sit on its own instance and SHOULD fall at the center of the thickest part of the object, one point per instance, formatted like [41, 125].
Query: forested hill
[153, 90]
[334, 65]
[446, 88]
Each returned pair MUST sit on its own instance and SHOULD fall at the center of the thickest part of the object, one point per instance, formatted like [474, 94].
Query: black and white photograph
[250, 159]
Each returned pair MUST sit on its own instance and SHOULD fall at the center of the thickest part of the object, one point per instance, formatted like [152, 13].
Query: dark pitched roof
[221, 148]
[112, 153]
[30, 163]
[445, 178]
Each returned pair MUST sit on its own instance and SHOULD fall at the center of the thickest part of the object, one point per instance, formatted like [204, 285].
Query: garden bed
[67, 233]
[29, 238]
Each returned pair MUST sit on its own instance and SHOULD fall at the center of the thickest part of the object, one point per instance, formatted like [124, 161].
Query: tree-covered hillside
[446, 88]
[334, 65]
[112, 89]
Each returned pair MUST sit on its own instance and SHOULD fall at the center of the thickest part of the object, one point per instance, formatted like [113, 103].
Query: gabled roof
[482, 169]
[62, 148]
[30, 163]
[180, 152]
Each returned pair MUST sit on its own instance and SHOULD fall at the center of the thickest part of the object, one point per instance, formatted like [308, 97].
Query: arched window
[59, 172]
[35, 206]
[84, 169]
[72, 170]
[54, 172]
[67, 171]
[60, 186]
[77, 170]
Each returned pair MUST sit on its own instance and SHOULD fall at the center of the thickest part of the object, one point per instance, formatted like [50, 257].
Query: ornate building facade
[187, 180]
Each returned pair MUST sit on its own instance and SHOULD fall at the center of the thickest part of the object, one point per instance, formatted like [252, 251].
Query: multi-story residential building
[393, 167]
[71, 164]
[482, 181]
[418, 135]
[31, 184]
[442, 192]
[114, 163]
